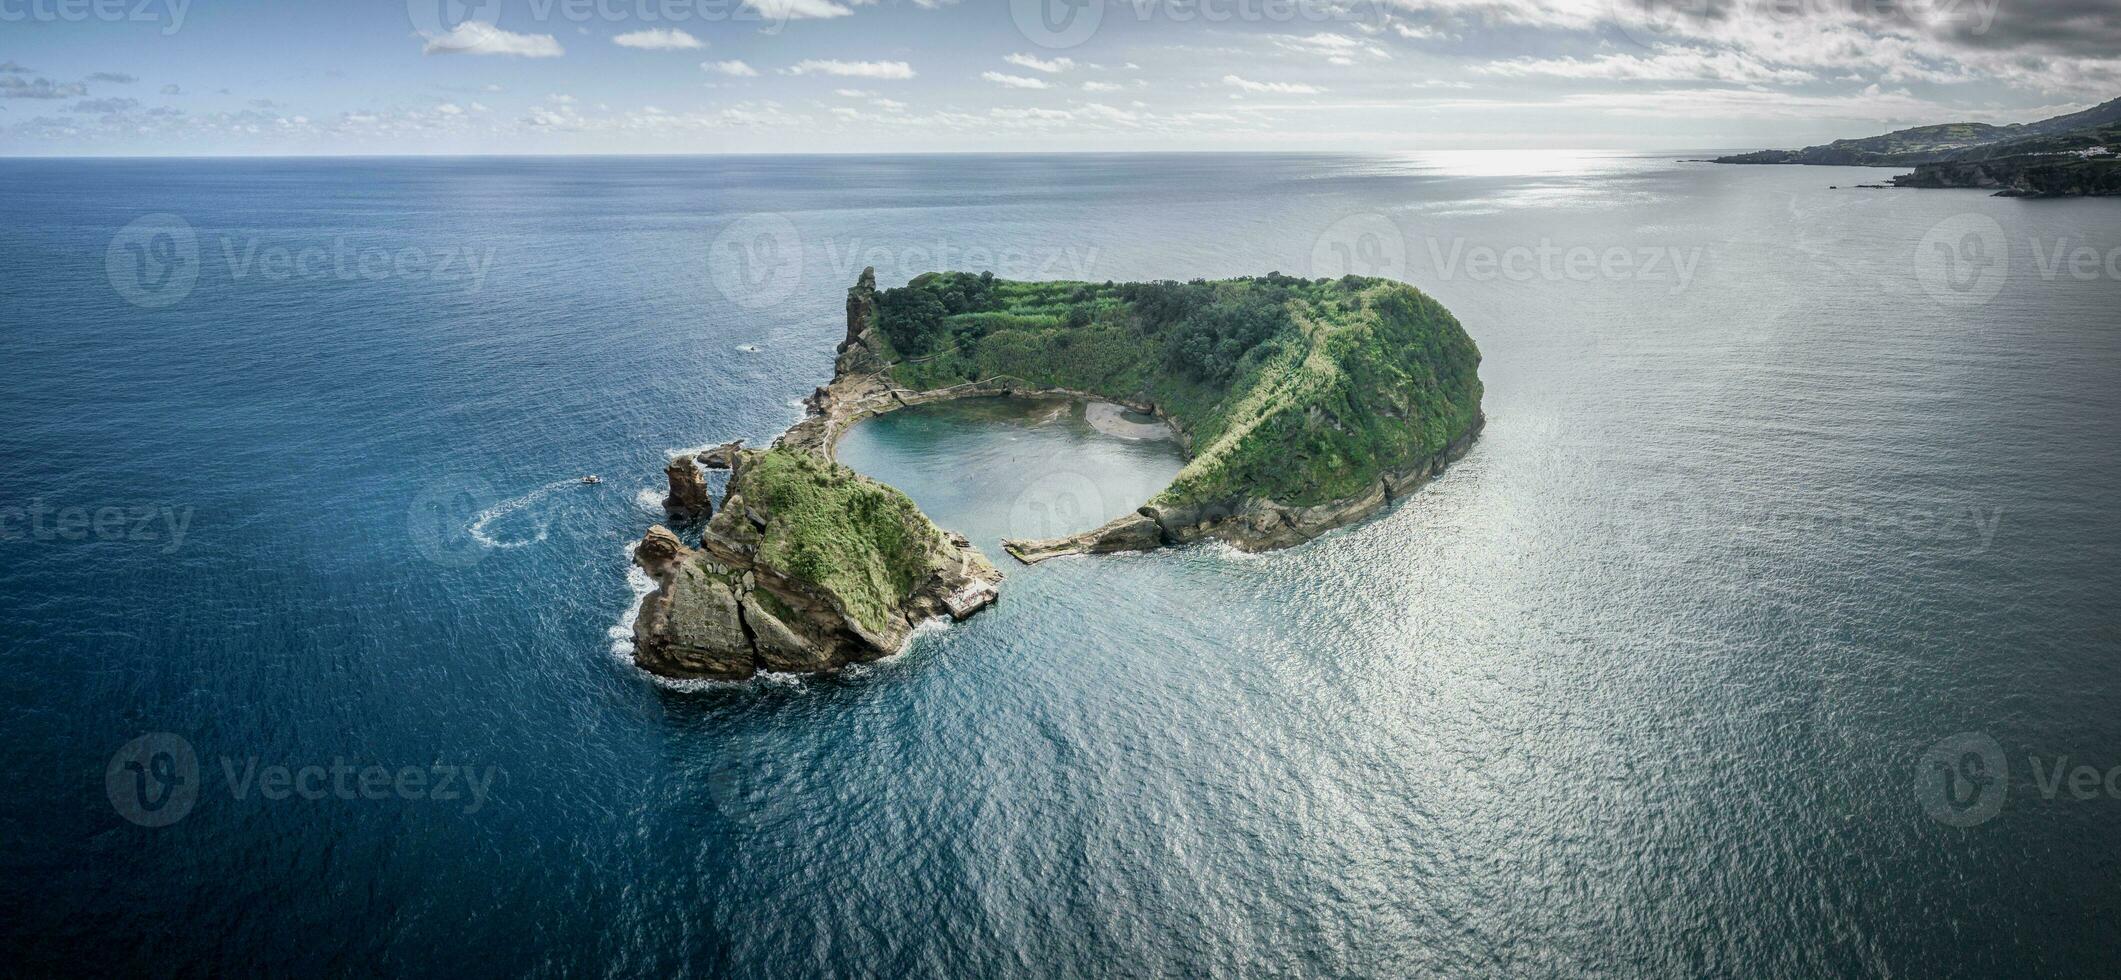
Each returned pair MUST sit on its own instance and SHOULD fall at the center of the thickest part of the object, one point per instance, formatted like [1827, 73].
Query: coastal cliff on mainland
[1302, 405]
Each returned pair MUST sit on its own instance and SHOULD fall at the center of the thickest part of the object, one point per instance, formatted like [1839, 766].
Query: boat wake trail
[481, 527]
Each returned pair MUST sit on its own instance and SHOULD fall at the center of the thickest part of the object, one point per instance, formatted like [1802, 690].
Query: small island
[1301, 404]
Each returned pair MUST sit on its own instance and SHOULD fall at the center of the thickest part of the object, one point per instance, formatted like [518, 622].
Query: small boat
[592, 479]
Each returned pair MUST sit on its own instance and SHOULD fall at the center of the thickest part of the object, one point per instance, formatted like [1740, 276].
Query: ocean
[1769, 630]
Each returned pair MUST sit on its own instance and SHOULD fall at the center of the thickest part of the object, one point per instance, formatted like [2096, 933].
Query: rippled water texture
[1641, 687]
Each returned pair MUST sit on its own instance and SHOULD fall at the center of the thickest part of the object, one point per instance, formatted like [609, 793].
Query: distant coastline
[2074, 155]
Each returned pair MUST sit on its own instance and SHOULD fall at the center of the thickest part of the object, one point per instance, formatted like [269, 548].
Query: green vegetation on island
[1304, 404]
[1299, 391]
[832, 529]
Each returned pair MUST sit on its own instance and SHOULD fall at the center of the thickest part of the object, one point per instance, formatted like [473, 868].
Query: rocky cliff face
[861, 308]
[688, 500]
[2044, 176]
[806, 567]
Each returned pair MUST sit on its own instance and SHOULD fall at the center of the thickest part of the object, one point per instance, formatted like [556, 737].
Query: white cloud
[659, 39]
[735, 69]
[1671, 64]
[1036, 63]
[784, 10]
[1340, 49]
[1275, 88]
[474, 37]
[1102, 87]
[1014, 81]
[852, 93]
[852, 69]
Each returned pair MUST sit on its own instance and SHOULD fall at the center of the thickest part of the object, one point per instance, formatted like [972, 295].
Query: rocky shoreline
[1249, 524]
[729, 609]
[2022, 176]
[741, 603]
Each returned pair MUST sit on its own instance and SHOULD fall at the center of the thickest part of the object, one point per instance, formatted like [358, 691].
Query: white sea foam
[1230, 552]
[622, 633]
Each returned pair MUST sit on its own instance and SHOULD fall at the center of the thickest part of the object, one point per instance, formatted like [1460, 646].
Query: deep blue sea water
[1787, 494]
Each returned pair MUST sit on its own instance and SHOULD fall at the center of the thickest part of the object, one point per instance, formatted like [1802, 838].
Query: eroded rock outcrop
[807, 567]
[689, 499]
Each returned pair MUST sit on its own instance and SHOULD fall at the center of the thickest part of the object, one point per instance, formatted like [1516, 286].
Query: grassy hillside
[856, 538]
[1301, 391]
[1954, 141]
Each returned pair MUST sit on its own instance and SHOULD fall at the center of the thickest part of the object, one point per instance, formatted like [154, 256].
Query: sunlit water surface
[1639, 688]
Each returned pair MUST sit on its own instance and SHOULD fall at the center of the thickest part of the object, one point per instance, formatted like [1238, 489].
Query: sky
[301, 77]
